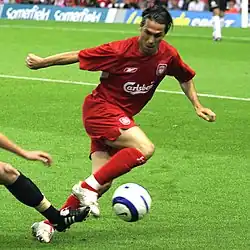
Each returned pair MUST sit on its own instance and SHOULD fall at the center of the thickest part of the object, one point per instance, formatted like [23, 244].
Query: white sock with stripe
[92, 182]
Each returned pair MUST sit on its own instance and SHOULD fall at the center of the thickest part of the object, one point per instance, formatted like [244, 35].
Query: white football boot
[216, 37]
[43, 232]
[87, 198]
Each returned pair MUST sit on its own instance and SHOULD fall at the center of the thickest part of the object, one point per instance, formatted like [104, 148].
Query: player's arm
[184, 74]
[100, 58]
[190, 91]
[7, 144]
[36, 62]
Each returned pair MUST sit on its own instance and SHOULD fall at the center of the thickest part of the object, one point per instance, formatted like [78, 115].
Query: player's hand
[38, 156]
[206, 114]
[34, 62]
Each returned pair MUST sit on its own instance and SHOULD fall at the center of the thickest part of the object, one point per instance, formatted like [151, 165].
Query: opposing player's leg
[8, 174]
[135, 149]
[44, 232]
[29, 194]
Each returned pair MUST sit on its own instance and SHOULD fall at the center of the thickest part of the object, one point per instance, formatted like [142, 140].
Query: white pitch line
[93, 84]
[46, 80]
[171, 34]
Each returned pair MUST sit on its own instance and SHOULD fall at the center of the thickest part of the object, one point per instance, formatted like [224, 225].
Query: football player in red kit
[131, 69]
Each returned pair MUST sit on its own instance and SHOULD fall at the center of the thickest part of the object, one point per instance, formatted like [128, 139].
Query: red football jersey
[129, 78]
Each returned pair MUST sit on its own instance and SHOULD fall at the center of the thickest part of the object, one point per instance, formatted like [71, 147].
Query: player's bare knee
[8, 174]
[147, 150]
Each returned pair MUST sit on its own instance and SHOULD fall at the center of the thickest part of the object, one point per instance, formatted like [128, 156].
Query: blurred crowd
[191, 5]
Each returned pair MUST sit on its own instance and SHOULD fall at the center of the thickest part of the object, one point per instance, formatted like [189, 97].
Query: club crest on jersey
[161, 68]
[124, 120]
[130, 70]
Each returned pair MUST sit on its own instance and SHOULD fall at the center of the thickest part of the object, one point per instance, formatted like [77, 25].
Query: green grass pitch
[199, 175]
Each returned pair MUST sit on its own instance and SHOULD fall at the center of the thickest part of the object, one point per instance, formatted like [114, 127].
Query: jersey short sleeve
[101, 58]
[181, 71]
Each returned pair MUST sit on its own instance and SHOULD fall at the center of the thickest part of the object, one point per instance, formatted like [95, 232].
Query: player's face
[151, 35]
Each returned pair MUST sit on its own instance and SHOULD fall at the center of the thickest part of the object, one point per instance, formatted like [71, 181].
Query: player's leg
[29, 194]
[8, 174]
[26, 191]
[215, 8]
[98, 158]
[135, 149]
[110, 125]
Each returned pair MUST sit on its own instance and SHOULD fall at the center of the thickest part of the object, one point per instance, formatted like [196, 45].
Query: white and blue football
[131, 202]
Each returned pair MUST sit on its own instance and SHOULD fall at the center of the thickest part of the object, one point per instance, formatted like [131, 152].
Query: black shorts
[214, 4]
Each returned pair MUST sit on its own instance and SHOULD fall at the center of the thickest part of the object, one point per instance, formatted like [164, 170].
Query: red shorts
[103, 121]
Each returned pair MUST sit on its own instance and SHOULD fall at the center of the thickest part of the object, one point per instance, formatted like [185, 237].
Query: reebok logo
[130, 70]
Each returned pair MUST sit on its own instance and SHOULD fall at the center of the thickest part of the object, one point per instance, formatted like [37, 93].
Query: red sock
[71, 202]
[85, 185]
[48, 222]
[121, 163]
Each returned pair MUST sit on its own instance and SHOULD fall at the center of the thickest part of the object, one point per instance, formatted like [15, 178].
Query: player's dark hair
[159, 14]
